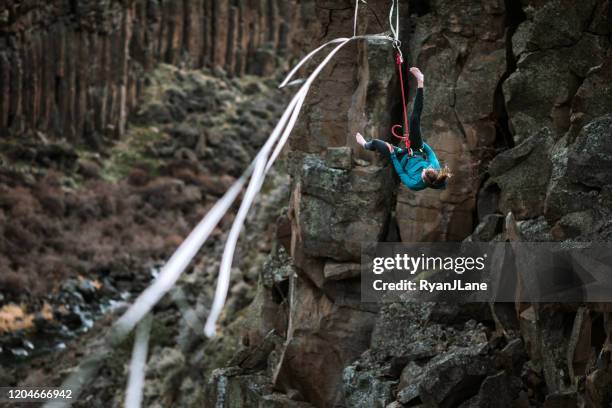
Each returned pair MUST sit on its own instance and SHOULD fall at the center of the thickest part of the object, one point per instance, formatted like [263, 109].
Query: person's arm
[410, 183]
[431, 156]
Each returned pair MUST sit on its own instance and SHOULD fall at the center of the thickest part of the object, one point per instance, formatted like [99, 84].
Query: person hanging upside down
[417, 167]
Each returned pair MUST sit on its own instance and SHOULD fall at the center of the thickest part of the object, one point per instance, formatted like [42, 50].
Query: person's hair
[437, 177]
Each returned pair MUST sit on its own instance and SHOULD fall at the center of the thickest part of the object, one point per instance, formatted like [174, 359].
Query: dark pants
[416, 140]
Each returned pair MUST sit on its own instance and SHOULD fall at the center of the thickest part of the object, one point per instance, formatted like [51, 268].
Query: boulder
[593, 98]
[339, 270]
[550, 31]
[489, 227]
[234, 388]
[322, 339]
[363, 389]
[534, 230]
[574, 225]
[553, 56]
[336, 210]
[451, 376]
[408, 384]
[564, 194]
[498, 390]
[589, 159]
[339, 157]
[522, 174]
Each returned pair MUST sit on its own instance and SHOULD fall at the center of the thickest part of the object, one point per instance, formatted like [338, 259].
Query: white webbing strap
[355, 16]
[257, 179]
[184, 254]
[260, 170]
[138, 364]
[287, 81]
[177, 263]
[260, 163]
[394, 29]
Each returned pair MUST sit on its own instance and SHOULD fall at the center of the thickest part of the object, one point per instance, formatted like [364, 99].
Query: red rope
[405, 137]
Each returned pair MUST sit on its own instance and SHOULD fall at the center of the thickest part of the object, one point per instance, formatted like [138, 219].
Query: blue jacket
[410, 167]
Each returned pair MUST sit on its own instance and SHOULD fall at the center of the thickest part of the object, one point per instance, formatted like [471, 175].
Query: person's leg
[416, 139]
[377, 145]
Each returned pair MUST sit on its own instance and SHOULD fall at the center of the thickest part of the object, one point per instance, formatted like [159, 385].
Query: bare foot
[360, 139]
[418, 75]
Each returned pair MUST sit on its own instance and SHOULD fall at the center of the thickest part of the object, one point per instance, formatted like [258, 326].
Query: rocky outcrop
[335, 210]
[517, 104]
[75, 69]
[522, 174]
[339, 199]
[557, 66]
[460, 47]
[569, 48]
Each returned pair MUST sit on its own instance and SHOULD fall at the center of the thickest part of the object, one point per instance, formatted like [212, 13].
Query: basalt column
[75, 70]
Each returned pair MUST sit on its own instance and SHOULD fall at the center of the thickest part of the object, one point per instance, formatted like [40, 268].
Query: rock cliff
[517, 103]
[75, 70]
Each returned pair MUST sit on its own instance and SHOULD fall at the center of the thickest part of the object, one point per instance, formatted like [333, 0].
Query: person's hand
[390, 146]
